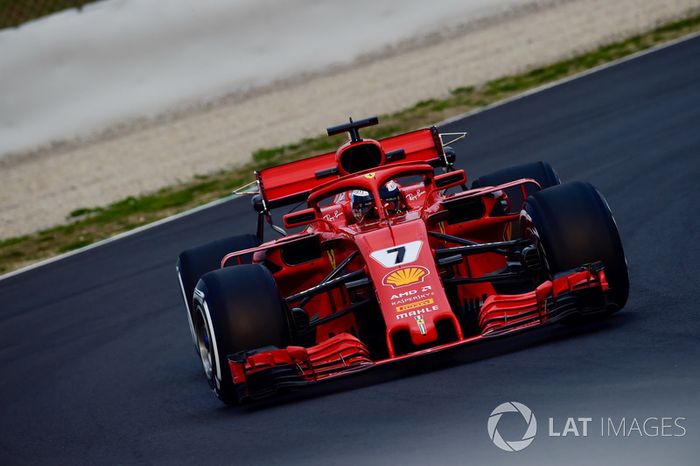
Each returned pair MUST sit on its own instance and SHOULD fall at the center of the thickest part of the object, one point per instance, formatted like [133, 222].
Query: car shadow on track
[441, 361]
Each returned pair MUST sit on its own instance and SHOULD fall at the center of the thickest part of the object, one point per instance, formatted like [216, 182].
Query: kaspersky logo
[495, 418]
[405, 276]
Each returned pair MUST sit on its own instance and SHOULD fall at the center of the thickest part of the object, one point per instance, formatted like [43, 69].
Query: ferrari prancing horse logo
[421, 325]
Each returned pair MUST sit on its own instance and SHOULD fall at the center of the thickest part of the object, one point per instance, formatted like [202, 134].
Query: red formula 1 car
[396, 258]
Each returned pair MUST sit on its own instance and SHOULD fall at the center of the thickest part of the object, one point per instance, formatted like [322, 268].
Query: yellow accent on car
[417, 304]
[405, 276]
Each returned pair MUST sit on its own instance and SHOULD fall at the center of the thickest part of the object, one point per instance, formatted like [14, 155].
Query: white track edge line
[117, 237]
[500, 103]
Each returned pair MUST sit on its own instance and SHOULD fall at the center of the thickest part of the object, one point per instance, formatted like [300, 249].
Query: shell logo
[405, 276]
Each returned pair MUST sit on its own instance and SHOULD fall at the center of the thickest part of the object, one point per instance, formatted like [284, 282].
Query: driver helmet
[362, 204]
[391, 197]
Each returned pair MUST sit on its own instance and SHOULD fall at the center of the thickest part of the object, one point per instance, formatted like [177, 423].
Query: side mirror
[258, 204]
[450, 179]
[450, 155]
[300, 218]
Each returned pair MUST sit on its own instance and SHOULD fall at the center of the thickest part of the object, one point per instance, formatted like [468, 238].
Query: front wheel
[195, 262]
[236, 309]
[575, 226]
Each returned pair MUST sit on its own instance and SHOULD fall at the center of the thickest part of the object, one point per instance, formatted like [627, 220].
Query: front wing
[264, 371]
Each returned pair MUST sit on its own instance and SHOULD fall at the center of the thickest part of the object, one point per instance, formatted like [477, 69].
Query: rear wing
[292, 182]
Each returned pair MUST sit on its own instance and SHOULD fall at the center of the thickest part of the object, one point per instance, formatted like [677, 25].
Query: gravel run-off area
[40, 188]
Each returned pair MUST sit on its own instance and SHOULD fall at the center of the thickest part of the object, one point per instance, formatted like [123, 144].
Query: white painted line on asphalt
[500, 103]
[119, 236]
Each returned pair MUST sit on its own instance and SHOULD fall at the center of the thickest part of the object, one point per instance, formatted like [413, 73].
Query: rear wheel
[575, 226]
[542, 172]
[195, 262]
[236, 309]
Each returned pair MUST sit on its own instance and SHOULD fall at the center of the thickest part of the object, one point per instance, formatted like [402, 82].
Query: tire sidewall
[228, 300]
[193, 263]
[589, 216]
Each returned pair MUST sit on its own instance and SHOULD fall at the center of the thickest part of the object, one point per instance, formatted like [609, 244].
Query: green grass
[16, 12]
[92, 223]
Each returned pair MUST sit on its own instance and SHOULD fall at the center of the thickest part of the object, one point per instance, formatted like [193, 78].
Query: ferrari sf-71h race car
[395, 257]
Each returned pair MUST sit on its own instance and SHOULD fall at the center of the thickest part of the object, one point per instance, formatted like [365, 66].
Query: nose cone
[407, 284]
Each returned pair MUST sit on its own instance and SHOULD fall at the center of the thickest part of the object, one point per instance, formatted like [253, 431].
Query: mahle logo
[528, 436]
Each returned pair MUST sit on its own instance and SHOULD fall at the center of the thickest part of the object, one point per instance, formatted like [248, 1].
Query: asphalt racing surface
[97, 366]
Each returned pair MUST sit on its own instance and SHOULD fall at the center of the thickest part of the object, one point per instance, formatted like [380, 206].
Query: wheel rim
[204, 348]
